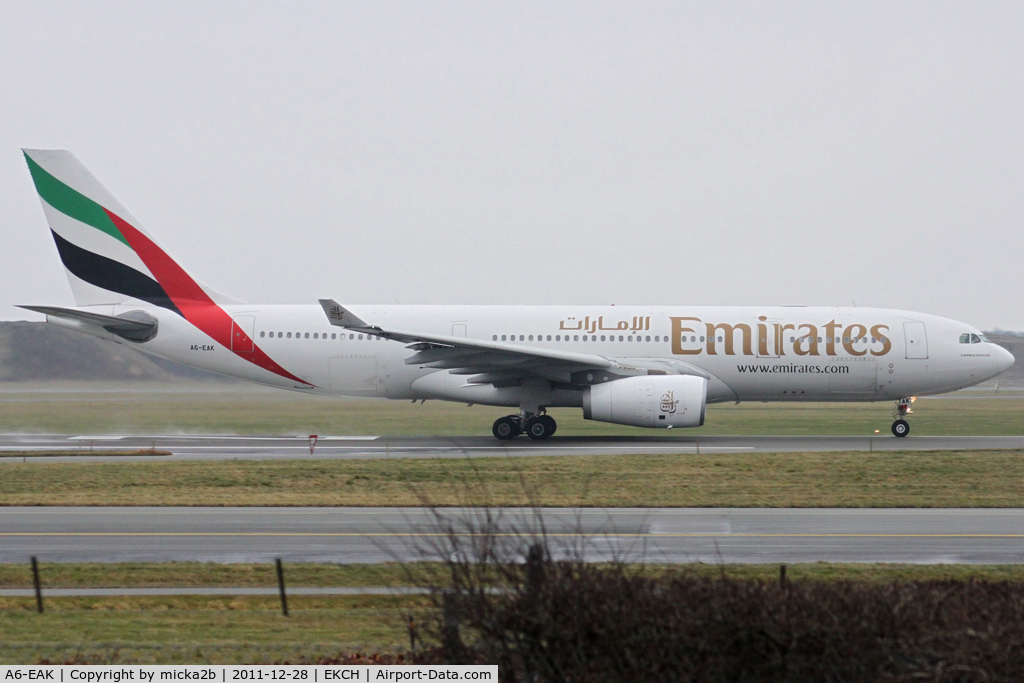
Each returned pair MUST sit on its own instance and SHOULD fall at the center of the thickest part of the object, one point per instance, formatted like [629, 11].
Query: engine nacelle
[648, 401]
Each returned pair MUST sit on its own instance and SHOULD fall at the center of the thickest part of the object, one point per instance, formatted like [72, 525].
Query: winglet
[339, 316]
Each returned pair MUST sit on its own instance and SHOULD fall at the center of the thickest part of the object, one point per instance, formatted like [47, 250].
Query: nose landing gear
[901, 427]
[537, 427]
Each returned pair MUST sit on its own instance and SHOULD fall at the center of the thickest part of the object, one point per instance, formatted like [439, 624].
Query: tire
[900, 428]
[538, 429]
[550, 421]
[505, 428]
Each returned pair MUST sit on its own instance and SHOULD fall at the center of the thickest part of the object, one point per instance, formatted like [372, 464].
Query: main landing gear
[901, 427]
[537, 427]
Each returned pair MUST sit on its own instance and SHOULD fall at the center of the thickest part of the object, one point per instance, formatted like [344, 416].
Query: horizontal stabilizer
[136, 326]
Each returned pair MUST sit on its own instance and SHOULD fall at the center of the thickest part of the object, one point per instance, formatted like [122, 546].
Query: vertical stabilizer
[109, 257]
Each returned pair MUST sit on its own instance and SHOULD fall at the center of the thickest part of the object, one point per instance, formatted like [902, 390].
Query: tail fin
[108, 255]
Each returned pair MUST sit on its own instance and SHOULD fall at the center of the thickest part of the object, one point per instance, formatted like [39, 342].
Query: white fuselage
[747, 353]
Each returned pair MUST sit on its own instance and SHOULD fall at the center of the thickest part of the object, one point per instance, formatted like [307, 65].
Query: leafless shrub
[550, 620]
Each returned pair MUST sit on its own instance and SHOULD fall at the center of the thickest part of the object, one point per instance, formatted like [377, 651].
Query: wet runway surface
[359, 535]
[368, 447]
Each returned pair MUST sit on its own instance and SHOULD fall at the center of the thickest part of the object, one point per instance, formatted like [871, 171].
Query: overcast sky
[539, 153]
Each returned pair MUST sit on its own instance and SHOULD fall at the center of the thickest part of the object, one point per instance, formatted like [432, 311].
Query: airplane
[644, 366]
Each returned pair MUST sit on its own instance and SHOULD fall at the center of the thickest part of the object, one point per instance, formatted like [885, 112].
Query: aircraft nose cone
[1004, 358]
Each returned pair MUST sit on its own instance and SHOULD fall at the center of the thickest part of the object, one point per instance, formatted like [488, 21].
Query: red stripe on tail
[195, 304]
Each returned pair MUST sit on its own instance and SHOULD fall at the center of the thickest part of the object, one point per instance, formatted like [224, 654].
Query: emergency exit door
[242, 330]
[917, 340]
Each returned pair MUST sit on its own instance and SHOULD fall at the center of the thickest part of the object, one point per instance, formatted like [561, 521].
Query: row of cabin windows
[576, 337]
[844, 340]
[657, 338]
[968, 338]
[316, 335]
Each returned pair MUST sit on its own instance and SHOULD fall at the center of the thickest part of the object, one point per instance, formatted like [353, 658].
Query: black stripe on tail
[110, 275]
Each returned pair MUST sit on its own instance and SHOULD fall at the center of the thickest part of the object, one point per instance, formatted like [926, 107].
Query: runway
[228, 447]
[369, 535]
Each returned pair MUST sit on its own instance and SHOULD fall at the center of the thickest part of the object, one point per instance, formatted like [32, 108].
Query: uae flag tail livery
[110, 259]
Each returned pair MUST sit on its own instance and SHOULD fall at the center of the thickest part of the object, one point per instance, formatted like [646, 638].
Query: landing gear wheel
[900, 428]
[505, 428]
[539, 428]
[550, 421]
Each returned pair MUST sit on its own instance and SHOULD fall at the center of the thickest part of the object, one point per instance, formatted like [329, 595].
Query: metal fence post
[280, 586]
[35, 580]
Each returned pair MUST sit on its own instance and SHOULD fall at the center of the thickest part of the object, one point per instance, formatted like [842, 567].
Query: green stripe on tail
[71, 202]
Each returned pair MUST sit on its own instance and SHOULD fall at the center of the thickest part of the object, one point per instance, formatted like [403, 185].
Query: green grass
[211, 574]
[251, 629]
[186, 629]
[120, 410]
[990, 478]
[390, 574]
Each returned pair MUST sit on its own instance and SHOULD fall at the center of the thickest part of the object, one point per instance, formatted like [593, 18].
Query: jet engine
[648, 401]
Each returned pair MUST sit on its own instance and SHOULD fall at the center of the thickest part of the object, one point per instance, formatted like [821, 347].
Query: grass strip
[125, 410]
[202, 629]
[250, 629]
[989, 478]
[211, 575]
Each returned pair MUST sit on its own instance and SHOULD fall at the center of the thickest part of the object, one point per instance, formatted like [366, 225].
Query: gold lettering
[729, 330]
[812, 341]
[762, 337]
[677, 336]
[849, 334]
[830, 337]
[876, 332]
[782, 338]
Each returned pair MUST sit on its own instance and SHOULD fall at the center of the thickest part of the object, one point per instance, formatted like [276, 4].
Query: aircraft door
[916, 339]
[242, 331]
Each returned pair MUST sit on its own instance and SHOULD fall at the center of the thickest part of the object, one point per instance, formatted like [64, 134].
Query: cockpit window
[975, 339]
[965, 338]
[984, 338]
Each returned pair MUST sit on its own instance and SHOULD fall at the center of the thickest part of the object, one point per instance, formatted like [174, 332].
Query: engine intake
[648, 401]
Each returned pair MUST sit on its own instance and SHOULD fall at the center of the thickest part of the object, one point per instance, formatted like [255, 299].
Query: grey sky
[628, 153]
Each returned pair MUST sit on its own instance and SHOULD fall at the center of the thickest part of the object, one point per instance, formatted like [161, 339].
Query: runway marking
[182, 450]
[220, 438]
[214, 534]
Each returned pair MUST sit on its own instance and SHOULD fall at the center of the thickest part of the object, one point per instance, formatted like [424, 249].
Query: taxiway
[371, 447]
[365, 535]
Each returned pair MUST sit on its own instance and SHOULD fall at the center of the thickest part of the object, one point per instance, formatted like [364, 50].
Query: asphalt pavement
[370, 535]
[228, 447]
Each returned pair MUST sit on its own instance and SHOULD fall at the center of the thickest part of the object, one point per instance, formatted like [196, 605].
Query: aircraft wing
[486, 362]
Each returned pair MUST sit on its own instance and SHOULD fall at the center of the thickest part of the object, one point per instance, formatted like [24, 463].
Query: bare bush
[550, 620]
